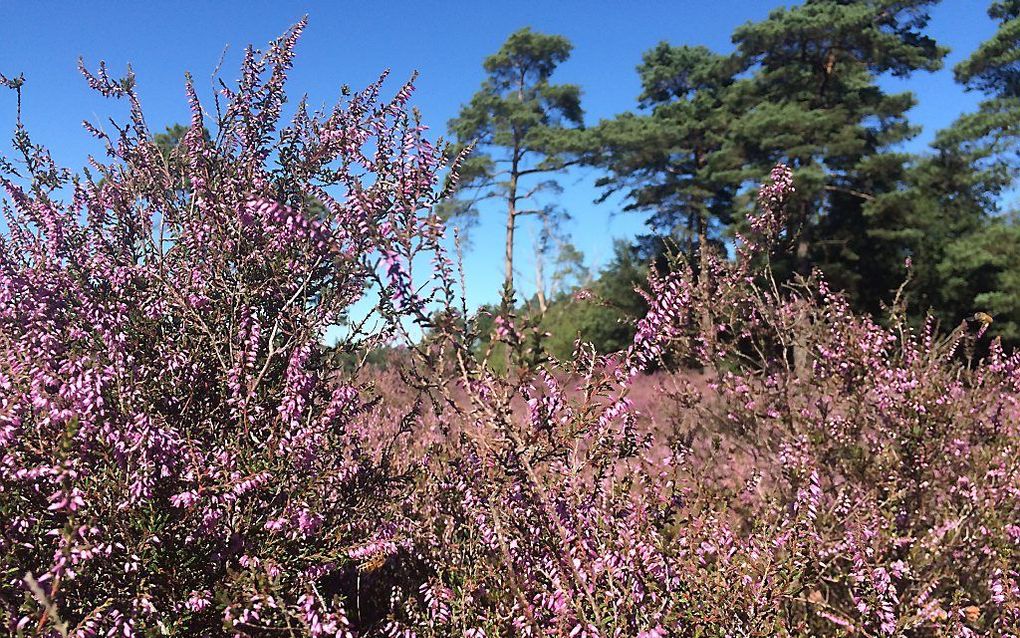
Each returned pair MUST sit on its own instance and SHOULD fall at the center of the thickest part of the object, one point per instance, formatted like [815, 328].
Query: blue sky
[351, 42]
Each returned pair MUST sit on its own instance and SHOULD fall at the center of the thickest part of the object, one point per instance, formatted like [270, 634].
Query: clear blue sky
[351, 42]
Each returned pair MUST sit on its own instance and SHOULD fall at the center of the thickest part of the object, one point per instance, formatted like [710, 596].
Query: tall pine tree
[674, 161]
[813, 100]
[990, 137]
[522, 129]
[976, 162]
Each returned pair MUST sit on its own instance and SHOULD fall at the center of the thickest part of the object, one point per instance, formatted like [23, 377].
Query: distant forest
[801, 88]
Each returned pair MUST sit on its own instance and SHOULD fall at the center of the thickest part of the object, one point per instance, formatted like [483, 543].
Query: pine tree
[521, 128]
[813, 101]
[990, 137]
[974, 248]
[943, 201]
[674, 161]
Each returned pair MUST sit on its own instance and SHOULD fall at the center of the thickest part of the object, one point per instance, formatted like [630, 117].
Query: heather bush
[182, 455]
[825, 475]
[179, 451]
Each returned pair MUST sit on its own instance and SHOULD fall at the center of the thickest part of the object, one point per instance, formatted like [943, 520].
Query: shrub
[179, 453]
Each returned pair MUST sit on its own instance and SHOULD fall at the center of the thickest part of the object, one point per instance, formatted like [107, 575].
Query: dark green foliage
[675, 161]
[989, 138]
[981, 271]
[603, 314]
[813, 101]
[803, 88]
[943, 200]
[168, 140]
[995, 67]
[958, 199]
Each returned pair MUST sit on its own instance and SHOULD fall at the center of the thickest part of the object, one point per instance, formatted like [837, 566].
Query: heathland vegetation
[791, 409]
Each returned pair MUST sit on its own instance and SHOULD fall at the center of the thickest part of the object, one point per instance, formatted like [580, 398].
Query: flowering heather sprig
[670, 299]
[772, 199]
[399, 281]
[768, 221]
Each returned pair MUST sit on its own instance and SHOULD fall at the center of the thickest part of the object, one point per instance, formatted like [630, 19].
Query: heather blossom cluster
[182, 454]
[772, 199]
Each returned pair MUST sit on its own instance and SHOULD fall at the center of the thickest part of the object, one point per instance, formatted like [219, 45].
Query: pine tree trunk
[511, 219]
[509, 257]
[540, 282]
[705, 308]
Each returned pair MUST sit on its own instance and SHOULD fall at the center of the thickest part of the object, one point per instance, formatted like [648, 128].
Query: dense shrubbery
[181, 455]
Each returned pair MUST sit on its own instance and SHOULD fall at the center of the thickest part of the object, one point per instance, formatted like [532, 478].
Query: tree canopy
[521, 129]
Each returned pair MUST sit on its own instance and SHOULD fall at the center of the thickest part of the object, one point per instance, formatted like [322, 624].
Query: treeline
[801, 87]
